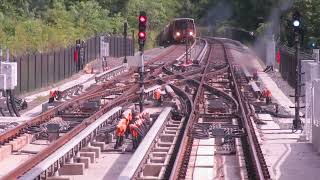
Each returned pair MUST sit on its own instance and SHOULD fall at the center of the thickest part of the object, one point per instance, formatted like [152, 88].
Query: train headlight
[178, 34]
[191, 33]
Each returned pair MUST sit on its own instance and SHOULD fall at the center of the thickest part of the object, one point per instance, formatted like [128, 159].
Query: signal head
[142, 29]
[142, 19]
[142, 35]
[296, 23]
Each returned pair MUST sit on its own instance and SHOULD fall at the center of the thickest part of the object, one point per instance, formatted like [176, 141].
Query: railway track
[220, 130]
[214, 139]
[205, 130]
[75, 116]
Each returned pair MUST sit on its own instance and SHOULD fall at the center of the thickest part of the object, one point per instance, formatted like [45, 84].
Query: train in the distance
[178, 31]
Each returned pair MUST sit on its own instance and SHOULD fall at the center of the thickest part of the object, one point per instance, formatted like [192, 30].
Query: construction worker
[53, 95]
[122, 127]
[266, 93]
[135, 135]
[157, 96]
[120, 131]
[138, 128]
[76, 59]
[268, 96]
[127, 115]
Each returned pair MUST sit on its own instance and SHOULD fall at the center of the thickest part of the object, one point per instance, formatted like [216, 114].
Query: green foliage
[38, 25]
[260, 16]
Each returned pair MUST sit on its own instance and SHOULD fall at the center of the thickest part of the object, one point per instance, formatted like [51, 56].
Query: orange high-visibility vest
[268, 93]
[157, 94]
[121, 127]
[127, 115]
[133, 131]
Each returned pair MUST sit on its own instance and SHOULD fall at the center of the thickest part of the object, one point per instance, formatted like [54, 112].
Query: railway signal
[142, 35]
[313, 45]
[142, 29]
[296, 21]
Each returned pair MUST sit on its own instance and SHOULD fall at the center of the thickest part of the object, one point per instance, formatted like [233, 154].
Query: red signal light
[142, 35]
[142, 30]
[142, 19]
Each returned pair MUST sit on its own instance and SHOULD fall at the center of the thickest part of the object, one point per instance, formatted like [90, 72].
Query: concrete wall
[312, 71]
[316, 115]
[311, 90]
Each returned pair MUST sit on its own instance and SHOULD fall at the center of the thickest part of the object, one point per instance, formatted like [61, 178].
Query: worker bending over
[138, 128]
[266, 93]
[122, 127]
[157, 96]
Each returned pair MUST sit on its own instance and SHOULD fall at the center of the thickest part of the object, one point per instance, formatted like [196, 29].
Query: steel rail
[44, 117]
[36, 159]
[246, 120]
[139, 155]
[124, 98]
[182, 148]
[8, 135]
[68, 146]
[200, 56]
[160, 69]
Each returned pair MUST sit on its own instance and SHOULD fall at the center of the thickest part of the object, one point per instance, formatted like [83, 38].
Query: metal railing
[288, 63]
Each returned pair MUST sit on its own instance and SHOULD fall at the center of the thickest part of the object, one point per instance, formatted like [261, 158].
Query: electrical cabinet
[3, 82]
[9, 69]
